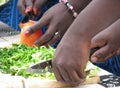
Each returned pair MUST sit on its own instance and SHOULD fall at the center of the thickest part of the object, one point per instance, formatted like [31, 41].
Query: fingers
[57, 74]
[25, 6]
[64, 74]
[54, 39]
[75, 76]
[49, 37]
[21, 6]
[38, 25]
[67, 74]
[29, 5]
[118, 52]
[98, 41]
[38, 4]
[105, 50]
[102, 54]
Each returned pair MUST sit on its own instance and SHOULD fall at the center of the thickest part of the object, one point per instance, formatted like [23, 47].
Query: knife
[6, 30]
[30, 15]
[46, 66]
[27, 17]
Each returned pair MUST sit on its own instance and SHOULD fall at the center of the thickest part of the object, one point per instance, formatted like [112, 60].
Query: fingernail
[28, 9]
[27, 33]
[94, 59]
[36, 11]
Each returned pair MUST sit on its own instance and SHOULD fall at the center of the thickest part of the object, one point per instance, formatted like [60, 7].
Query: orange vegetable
[29, 39]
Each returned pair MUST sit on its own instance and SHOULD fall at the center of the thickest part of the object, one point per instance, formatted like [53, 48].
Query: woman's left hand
[58, 18]
[55, 18]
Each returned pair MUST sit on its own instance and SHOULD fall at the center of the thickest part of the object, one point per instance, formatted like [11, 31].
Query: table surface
[5, 41]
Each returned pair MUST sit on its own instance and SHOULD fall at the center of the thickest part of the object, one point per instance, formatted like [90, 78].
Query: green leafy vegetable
[17, 59]
[2, 2]
[93, 70]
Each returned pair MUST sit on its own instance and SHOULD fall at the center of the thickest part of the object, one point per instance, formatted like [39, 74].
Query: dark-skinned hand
[31, 6]
[67, 62]
[73, 51]
[58, 18]
[108, 41]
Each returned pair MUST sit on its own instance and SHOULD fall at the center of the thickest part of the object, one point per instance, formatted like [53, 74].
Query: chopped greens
[93, 70]
[17, 59]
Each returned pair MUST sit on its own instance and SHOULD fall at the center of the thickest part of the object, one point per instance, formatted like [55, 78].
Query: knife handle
[93, 50]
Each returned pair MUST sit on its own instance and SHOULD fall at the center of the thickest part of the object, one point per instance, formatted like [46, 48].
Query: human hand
[108, 41]
[58, 18]
[31, 6]
[73, 51]
[55, 18]
[70, 59]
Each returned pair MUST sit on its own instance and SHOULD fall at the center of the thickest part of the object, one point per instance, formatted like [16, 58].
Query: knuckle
[60, 64]
[100, 55]
[31, 30]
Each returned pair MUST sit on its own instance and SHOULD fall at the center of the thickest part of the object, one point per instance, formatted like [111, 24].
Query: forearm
[96, 17]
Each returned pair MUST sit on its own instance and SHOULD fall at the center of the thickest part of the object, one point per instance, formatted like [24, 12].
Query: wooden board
[8, 81]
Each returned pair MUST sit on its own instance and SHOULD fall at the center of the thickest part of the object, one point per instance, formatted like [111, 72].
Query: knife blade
[28, 16]
[46, 66]
[6, 30]
[41, 67]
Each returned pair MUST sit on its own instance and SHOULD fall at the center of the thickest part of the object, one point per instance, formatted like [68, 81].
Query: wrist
[75, 6]
[79, 5]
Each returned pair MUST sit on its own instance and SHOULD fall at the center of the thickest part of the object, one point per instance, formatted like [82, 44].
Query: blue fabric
[112, 65]
[10, 14]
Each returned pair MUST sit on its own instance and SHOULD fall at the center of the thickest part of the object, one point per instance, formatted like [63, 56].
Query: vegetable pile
[17, 59]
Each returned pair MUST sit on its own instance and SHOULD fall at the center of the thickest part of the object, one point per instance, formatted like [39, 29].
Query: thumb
[102, 54]
[97, 41]
[37, 26]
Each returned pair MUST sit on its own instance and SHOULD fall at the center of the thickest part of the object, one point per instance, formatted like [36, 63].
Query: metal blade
[28, 17]
[42, 67]
[36, 70]
[25, 19]
[46, 66]
[6, 30]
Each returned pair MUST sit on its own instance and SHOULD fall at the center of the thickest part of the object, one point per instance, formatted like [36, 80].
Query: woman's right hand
[108, 41]
[34, 6]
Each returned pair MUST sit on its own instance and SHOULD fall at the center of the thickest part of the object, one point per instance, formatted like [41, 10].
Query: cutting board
[7, 81]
